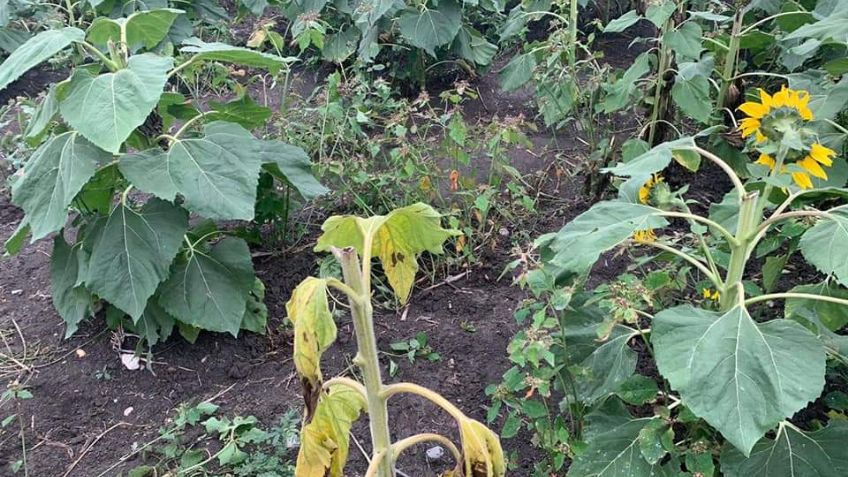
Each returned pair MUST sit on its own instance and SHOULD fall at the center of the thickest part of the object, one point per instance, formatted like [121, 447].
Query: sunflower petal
[760, 136]
[803, 180]
[822, 154]
[766, 160]
[813, 167]
[754, 110]
[765, 98]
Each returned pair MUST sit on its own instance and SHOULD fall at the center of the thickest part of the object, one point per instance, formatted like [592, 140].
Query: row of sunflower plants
[730, 352]
[122, 161]
[405, 39]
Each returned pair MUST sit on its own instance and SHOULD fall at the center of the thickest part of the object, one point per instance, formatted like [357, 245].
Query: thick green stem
[366, 358]
[731, 58]
[746, 225]
[572, 35]
[659, 101]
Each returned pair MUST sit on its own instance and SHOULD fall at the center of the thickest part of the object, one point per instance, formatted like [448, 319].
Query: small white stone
[435, 453]
[130, 361]
[128, 411]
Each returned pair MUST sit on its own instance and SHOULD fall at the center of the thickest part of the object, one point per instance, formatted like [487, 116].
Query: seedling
[416, 347]
[397, 239]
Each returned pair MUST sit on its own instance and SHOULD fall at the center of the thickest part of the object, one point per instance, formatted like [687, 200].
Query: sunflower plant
[739, 344]
[332, 406]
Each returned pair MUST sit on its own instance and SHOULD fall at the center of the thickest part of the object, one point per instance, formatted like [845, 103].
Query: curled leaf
[481, 449]
[325, 440]
[398, 239]
[314, 332]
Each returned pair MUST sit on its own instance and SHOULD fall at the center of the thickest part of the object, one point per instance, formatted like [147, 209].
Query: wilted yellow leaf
[481, 449]
[314, 331]
[399, 238]
[325, 440]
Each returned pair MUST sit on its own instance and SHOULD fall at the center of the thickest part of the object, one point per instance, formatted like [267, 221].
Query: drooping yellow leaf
[398, 239]
[481, 449]
[324, 441]
[314, 332]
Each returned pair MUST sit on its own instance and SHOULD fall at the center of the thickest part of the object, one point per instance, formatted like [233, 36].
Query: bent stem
[366, 357]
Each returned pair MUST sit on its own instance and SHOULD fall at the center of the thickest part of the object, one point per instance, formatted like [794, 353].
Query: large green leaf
[614, 453]
[43, 115]
[398, 239]
[326, 438]
[292, 165]
[577, 246]
[107, 108]
[53, 176]
[602, 365]
[133, 253]
[431, 27]
[832, 27]
[155, 324]
[621, 93]
[793, 453]
[832, 315]
[232, 54]
[71, 300]
[314, 328]
[216, 173]
[518, 71]
[209, 289]
[35, 50]
[145, 28]
[623, 22]
[691, 93]
[740, 376]
[473, 46]
[685, 41]
[148, 171]
[824, 244]
[242, 111]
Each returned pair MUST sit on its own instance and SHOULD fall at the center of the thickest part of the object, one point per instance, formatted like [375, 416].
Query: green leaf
[232, 54]
[659, 13]
[832, 27]
[53, 176]
[72, 301]
[255, 312]
[15, 242]
[399, 238]
[217, 173]
[242, 111]
[291, 164]
[577, 246]
[431, 27]
[148, 171]
[107, 108]
[155, 325]
[474, 47]
[655, 440]
[11, 39]
[824, 244]
[685, 41]
[518, 71]
[623, 22]
[146, 28]
[44, 114]
[133, 254]
[326, 438]
[772, 269]
[638, 390]
[793, 453]
[620, 93]
[691, 93]
[740, 376]
[614, 453]
[209, 289]
[36, 50]
[339, 46]
[832, 315]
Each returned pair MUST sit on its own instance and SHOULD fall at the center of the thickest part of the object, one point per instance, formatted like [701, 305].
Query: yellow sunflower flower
[785, 101]
[811, 163]
[644, 236]
[645, 190]
[713, 295]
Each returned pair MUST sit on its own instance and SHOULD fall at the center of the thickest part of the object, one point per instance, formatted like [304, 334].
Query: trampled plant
[732, 373]
[106, 131]
[396, 239]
